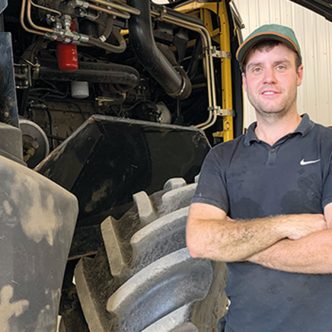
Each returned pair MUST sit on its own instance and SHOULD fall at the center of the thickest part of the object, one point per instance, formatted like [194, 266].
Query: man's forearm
[210, 234]
[232, 240]
[310, 254]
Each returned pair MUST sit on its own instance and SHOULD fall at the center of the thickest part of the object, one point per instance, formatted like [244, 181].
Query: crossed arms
[293, 243]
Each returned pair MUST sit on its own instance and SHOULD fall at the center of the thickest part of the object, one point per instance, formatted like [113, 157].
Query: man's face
[271, 80]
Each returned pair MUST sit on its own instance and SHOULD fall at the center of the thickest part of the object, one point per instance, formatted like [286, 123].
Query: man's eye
[281, 68]
[256, 70]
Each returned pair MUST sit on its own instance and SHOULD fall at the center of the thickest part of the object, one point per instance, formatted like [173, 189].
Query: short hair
[269, 44]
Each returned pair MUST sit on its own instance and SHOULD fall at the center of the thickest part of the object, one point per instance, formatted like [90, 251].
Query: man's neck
[270, 130]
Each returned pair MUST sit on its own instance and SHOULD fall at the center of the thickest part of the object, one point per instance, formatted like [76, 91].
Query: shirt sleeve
[327, 186]
[211, 188]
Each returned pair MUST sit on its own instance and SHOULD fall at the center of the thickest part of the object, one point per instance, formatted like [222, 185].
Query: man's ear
[299, 73]
[244, 81]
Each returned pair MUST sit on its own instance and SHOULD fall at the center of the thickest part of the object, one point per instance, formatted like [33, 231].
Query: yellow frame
[205, 10]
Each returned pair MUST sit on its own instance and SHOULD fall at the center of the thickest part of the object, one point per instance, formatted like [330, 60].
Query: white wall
[315, 37]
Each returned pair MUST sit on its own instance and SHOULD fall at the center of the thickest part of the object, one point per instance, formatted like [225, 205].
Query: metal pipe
[23, 23]
[37, 27]
[125, 8]
[46, 8]
[109, 11]
[207, 45]
[212, 118]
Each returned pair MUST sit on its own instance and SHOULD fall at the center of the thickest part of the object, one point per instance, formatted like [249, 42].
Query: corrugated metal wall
[315, 36]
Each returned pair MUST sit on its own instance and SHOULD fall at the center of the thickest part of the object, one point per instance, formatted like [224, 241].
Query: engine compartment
[128, 59]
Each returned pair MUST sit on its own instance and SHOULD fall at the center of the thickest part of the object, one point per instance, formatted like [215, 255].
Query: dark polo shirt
[248, 178]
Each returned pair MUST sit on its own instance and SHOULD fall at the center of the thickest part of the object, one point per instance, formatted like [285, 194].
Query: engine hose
[94, 76]
[175, 84]
[195, 59]
[97, 66]
[166, 51]
[109, 67]
[109, 47]
[108, 29]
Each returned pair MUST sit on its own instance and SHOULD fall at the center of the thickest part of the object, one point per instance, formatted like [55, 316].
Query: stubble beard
[270, 113]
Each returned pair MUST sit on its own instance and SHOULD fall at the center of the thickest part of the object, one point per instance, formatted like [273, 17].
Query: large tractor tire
[144, 279]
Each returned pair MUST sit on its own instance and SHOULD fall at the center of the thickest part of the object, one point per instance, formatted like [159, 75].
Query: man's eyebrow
[251, 65]
[282, 61]
[254, 64]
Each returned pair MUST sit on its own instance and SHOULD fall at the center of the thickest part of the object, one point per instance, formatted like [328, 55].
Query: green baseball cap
[277, 32]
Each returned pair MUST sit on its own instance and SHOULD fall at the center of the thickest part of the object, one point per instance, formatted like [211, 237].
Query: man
[263, 201]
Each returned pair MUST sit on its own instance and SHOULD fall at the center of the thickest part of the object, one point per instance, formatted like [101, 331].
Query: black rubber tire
[144, 279]
[72, 317]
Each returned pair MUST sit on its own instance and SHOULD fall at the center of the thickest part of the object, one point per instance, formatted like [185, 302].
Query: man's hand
[300, 225]
[310, 254]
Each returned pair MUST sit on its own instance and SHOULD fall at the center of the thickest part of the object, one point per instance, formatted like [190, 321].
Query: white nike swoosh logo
[308, 162]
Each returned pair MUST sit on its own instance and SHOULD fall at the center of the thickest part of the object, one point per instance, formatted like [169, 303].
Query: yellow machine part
[206, 12]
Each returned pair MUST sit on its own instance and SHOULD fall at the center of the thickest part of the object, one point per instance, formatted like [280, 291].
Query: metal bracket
[222, 111]
[220, 54]
[22, 76]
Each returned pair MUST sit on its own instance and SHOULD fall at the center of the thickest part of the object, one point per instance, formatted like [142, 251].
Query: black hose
[195, 59]
[110, 48]
[94, 76]
[167, 52]
[175, 83]
[108, 28]
[105, 73]
[109, 67]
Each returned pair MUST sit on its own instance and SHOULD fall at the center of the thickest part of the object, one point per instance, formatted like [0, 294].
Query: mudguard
[37, 221]
[109, 159]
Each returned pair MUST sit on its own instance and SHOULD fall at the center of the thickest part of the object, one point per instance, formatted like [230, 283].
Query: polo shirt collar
[303, 128]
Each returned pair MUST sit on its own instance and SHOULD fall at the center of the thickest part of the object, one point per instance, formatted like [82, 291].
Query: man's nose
[269, 75]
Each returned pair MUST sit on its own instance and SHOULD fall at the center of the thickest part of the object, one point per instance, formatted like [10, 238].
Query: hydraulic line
[22, 15]
[46, 8]
[108, 29]
[109, 47]
[207, 46]
[109, 11]
[124, 8]
[37, 27]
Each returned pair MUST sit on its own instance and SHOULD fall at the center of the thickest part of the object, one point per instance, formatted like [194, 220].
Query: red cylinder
[67, 57]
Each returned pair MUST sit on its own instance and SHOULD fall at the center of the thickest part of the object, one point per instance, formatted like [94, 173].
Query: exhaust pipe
[174, 80]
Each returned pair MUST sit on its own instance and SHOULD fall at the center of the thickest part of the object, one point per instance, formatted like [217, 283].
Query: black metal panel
[109, 159]
[321, 7]
[8, 104]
